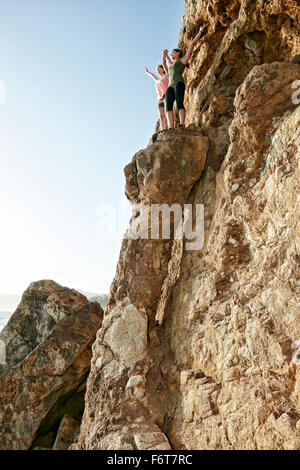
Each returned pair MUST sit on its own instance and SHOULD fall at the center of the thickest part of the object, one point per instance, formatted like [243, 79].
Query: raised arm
[151, 74]
[169, 60]
[165, 59]
[189, 52]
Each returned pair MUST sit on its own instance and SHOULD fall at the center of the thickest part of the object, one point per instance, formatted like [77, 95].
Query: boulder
[48, 341]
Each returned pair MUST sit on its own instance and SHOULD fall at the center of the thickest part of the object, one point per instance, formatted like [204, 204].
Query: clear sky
[75, 105]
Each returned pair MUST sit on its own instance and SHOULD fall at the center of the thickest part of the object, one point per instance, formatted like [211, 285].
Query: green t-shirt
[175, 72]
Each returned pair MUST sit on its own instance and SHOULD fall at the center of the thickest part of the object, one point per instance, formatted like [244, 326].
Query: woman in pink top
[161, 84]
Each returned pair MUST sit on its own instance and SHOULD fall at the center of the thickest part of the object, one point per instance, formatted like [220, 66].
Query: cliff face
[48, 353]
[196, 350]
[124, 406]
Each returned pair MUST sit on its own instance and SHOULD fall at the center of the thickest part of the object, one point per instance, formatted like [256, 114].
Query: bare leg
[182, 117]
[163, 118]
[171, 119]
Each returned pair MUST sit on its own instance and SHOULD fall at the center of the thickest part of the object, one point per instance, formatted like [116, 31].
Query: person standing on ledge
[161, 84]
[175, 67]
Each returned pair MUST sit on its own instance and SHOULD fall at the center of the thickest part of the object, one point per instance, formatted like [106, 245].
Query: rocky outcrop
[241, 35]
[197, 348]
[48, 352]
[235, 310]
[122, 408]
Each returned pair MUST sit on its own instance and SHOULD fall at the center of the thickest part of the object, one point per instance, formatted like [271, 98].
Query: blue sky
[78, 106]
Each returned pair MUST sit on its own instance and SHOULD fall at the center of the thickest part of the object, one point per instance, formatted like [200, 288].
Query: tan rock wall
[123, 407]
[236, 308]
[219, 371]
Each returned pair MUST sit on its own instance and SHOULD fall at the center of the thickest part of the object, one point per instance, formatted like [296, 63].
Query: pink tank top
[161, 86]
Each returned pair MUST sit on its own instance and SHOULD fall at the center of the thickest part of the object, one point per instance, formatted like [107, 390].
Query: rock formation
[48, 352]
[196, 350]
[119, 411]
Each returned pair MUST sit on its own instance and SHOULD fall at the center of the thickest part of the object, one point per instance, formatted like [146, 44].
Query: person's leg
[182, 117]
[171, 119]
[179, 95]
[170, 98]
[165, 112]
[162, 116]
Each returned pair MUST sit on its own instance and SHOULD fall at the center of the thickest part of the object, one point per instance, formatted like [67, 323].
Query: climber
[175, 67]
[161, 84]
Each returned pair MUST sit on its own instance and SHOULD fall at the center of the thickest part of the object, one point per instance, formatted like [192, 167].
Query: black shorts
[175, 92]
[161, 103]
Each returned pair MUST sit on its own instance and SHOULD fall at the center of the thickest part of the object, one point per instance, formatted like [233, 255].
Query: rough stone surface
[119, 388]
[235, 310]
[197, 349]
[241, 34]
[219, 372]
[49, 340]
[156, 175]
[43, 305]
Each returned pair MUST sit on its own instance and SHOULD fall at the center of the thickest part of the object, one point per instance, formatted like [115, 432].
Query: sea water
[4, 317]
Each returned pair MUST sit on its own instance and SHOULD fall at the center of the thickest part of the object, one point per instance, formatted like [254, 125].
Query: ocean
[4, 317]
